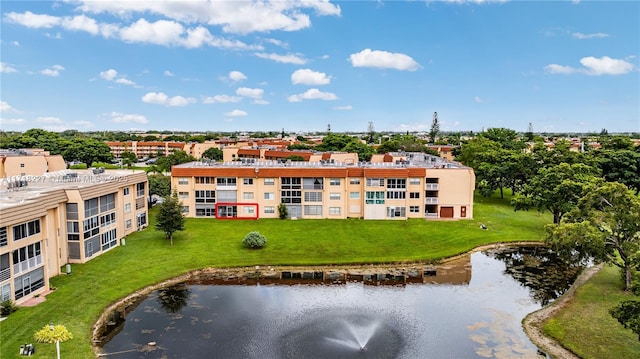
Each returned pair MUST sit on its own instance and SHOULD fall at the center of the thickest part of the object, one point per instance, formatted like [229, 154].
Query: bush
[7, 307]
[282, 211]
[254, 240]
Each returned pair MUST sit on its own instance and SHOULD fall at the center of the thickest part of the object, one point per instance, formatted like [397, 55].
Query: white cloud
[383, 60]
[221, 99]
[160, 98]
[260, 102]
[11, 121]
[276, 42]
[49, 120]
[81, 23]
[477, 99]
[81, 123]
[168, 73]
[52, 71]
[605, 66]
[5, 107]
[250, 92]
[112, 75]
[343, 108]
[126, 118]
[15, 43]
[236, 113]
[581, 36]
[237, 76]
[309, 77]
[313, 94]
[32, 20]
[594, 66]
[295, 59]
[5, 68]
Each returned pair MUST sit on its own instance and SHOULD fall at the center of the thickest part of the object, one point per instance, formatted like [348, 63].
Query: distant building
[32, 161]
[51, 219]
[394, 186]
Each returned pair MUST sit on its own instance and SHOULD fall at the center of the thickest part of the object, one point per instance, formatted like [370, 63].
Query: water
[478, 317]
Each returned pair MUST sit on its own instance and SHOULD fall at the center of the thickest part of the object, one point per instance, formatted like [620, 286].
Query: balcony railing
[432, 186]
[27, 265]
[5, 274]
[431, 200]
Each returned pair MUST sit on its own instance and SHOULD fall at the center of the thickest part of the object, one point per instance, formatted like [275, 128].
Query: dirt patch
[533, 322]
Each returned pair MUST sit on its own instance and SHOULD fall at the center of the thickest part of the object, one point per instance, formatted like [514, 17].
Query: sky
[307, 66]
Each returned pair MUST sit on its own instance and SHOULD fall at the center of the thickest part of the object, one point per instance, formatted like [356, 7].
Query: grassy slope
[147, 258]
[585, 325]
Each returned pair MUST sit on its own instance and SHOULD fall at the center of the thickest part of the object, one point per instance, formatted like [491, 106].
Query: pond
[469, 308]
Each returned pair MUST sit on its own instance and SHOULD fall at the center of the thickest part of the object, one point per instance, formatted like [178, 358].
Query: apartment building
[144, 149]
[63, 217]
[398, 186]
[29, 162]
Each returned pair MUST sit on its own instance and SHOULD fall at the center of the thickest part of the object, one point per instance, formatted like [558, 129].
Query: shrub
[254, 240]
[7, 307]
[282, 211]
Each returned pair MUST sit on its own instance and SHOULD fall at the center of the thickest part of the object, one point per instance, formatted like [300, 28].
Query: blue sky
[563, 66]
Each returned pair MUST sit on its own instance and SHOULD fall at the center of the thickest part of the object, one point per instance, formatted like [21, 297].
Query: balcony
[5, 274]
[27, 265]
[432, 186]
[431, 200]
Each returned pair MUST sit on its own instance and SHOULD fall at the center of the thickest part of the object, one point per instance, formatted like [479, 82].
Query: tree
[556, 189]
[435, 128]
[177, 157]
[128, 158]
[87, 150]
[159, 185]
[604, 226]
[213, 154]
[53, 334]
[170, 218]
[628, 314]
[620, 166]
[282, 211]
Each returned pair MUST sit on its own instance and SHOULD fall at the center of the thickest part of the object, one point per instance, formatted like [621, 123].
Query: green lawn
[147, 259]
[585, 325]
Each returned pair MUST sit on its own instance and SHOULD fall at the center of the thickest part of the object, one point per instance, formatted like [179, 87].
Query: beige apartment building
[398, 186]
[29, 162]
[59, 218]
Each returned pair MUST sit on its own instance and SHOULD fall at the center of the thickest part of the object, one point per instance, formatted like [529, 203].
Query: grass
[108, 166]
[585, 326]
[148, 258]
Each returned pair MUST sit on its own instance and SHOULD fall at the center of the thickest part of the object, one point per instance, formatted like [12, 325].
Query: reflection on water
[478, 317]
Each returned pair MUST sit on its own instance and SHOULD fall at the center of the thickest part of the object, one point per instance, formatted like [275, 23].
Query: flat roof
[16, 190]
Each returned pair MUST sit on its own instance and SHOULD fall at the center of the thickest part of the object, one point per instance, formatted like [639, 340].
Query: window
[3, 236]
[208, 211]
[183, 195]
[414, 194]
[354, 181]
[354, 195]
[125, 191]
[109, 239]
[414, 209]
[312, 210]
[73, 231]
[375, 182]
[27, 258]
[205, 180]
[247, 195]
[108, 219]
[269, 209]
[127, 224]
[91, 207]
[184, 209]
[291, 190]
[127, 207]
[247, 181]
[393, 212]
[374, 197]
[313, 196]
[313, 183]
[394, 183]
[269, 181]
[334, 210]
[25, 230]
[90, 227]
[107, 202]
[269, 195]
[396, 195]
[183, 180]
[334, 196]
[249, 209]
[140, 189]
[334, 182]
[291, 183]
[72, 211]
[414, 181]
[5, 292]
[141, 219]
[226, 181]
[206, 196]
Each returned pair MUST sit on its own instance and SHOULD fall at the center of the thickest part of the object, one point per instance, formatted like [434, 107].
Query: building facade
[29, 162]
[55, 219]
[405, 186]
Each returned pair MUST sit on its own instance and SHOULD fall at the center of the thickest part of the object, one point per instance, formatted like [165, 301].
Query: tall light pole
[51, 327]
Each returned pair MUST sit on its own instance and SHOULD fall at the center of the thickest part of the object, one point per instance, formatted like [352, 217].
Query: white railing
[27, 265]
[432, 186]
[431, 200]
[5, 274]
